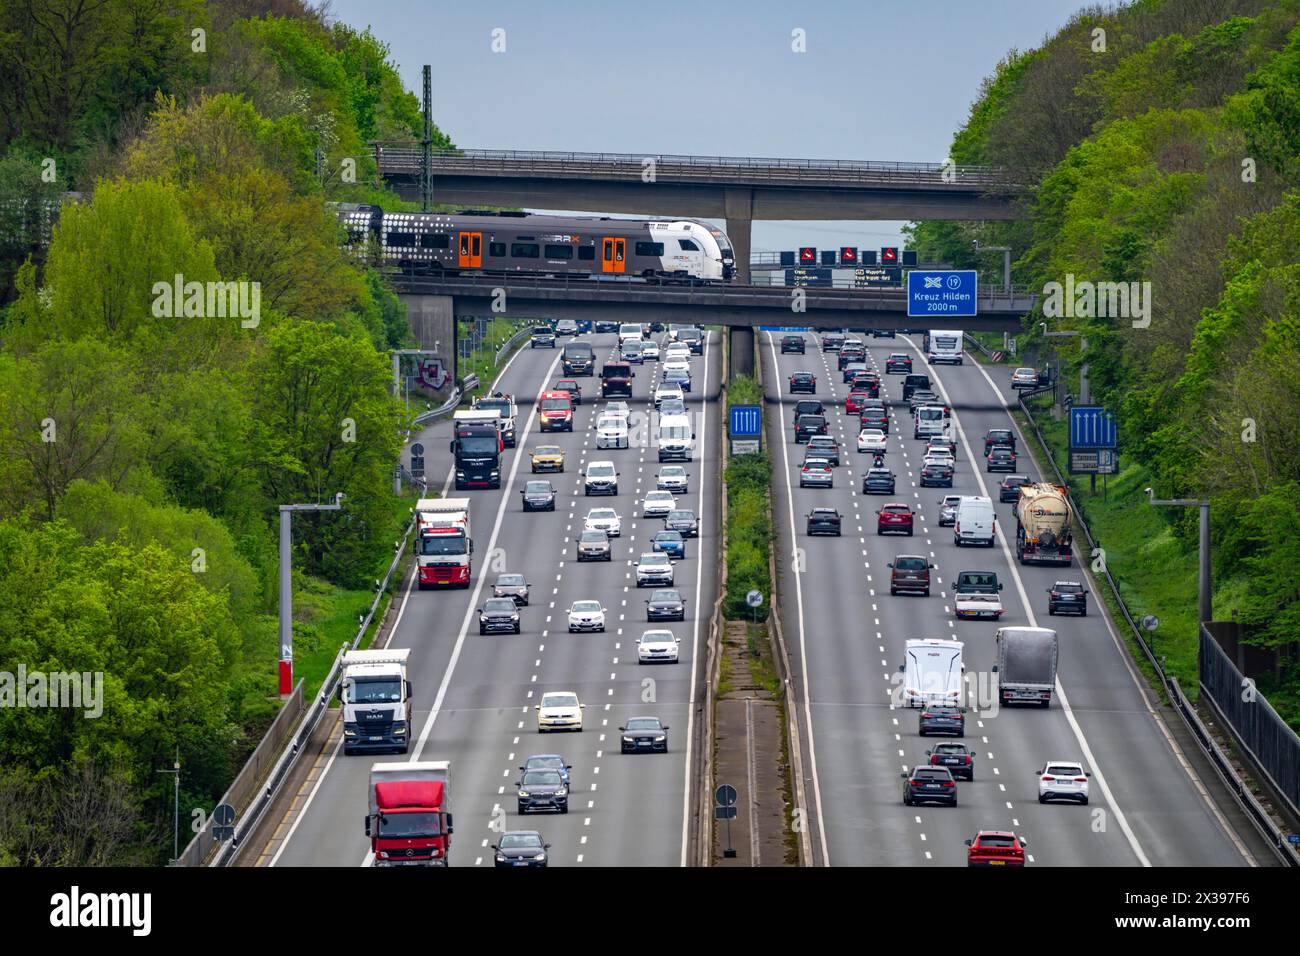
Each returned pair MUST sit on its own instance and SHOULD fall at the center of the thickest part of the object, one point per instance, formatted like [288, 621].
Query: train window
[587, 252]
[431, 240]
[401, 239]
[649, 248]
[559, 252]
[497, 250]
[524, 250]
[687, 245]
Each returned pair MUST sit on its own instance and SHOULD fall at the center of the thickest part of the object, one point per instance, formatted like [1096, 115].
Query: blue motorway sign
[1091, 426]
[746, 421]
[941, 292]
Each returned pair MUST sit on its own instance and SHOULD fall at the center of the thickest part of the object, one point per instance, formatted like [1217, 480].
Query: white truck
[933, 672]
[505, 406]
[443, 547]
[376, 698]
[1026, 665]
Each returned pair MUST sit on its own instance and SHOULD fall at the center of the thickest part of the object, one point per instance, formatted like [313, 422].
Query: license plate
[997, 862]
[377, 738]
[520, 863]
[932, 786]
[643, 743]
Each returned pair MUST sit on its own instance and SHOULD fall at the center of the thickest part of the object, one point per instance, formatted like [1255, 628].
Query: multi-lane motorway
[846, 635]
[474, 695]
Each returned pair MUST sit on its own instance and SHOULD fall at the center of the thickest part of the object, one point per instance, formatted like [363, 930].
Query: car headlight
[524, 793]
[540, 856]
[399, 728]
[349, 730]
[660, 739]
[628, 740]
[501, 857]
[562, 792]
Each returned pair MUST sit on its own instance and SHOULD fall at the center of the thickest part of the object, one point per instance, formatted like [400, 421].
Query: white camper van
[932, 672]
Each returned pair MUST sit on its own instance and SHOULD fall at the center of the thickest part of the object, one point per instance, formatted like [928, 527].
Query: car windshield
[978, 580]
[665, 597]
[546, 762]
[932, 775]
[510, 580]
[910, 564]
[1003, 842]
[542, 778]
[543, 487]
[673, 536]
[1068, 588]
[547, 450]
[1065, 770]
[659, 496]
[500, 604]
[880, 474]
[897, 509]
[555, 404]
[644, 723]
[816, 463]
[950, 749]
[657, 637]
[600, 471]
[521, 841]
[825, 513]
[649, 559]
[674, 471]
[594, 537]
[612, 422]
[681, 516]
[602, 514]
[586, 606]
[560, 700]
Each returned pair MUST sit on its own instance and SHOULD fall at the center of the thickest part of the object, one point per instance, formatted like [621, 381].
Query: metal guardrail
[407, 157]
[248, 823]
[511, 342]
[1284, 851]
[442, 411]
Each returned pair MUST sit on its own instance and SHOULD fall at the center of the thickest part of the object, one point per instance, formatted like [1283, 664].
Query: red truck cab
[410, 821]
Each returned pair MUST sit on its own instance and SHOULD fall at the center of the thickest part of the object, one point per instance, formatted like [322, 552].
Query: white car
[942, 445]
[666, 392]
[603, 519]
[654, 568]
[656, 646]
[586, 616]
[677, 352]
[974, 606]
[559, 710]
[656, 504]
[676, 364]
[939, 456]
[611, 432]
[617, 409]
[872, 441]
[650, 350]
[1063, 780]
[673, 478]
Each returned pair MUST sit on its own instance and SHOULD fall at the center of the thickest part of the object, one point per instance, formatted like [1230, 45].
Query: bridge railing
[406, 156]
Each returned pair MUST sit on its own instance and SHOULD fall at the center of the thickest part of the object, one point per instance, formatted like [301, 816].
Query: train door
[470, 250]
[613, 255]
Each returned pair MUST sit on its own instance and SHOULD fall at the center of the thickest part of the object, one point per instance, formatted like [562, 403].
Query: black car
[898, 362]
[542, 790]
[927, 784]
[878, 481]
[832, 341]
[643, 734]
[543, 338]
[875, 416]
[682, 520]
[941, 720]
[809, 425]
[999, 436]
[665, 604]
[958, 758]
[498, 615]
[882, 333]
[521, 848]
[808, 406]
[824, 521]
[694, 339]
[805, 382]
[792, 343]
[912, 383]
[1009, 487]
[605, 325]
[512, 586]
[1001, 458]
[1067, 597]
[538, 496]
[936, 474]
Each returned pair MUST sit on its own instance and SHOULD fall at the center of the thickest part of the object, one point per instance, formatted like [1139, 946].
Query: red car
[856, 402]
[996, 848]
[894, 516]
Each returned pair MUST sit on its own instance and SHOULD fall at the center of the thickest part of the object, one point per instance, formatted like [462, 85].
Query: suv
[999, 436]
[912, 383]
[1067, 596]
[927, 784]
[808, 406]
[910, 572]
[1009, 487]
[958, 758]
[616, 379]
[803, 382]
[543, 337]
[792, 343]
[898, 362]
[824, 521]
[809, 425]
[825, 446]
[601, 479]
[996, 848]
[1001, 458]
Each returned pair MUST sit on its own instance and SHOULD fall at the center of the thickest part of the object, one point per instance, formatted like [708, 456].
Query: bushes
[749, 526]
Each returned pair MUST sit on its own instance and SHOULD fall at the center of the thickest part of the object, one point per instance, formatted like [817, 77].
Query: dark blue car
[548, 762]
[670, 543]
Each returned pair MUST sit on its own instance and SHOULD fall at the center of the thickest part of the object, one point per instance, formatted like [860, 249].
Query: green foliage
[1269, 111]
[749, 535]
[744, 390]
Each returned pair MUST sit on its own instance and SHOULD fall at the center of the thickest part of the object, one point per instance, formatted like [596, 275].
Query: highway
[474, 695]
[846, 636]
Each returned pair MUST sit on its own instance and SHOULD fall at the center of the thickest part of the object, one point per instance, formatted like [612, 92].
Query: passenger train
[474, 241]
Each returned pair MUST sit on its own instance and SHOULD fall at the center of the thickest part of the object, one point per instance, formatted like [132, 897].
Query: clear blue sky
[879, 80]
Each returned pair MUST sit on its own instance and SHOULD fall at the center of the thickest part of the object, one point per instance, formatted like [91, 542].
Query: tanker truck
[1043, 517]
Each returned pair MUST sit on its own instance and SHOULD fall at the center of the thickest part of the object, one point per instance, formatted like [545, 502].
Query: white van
[929, 422]
[628, 330]
[976, 522]
[932, 673]
[676, 439]
[945, 346]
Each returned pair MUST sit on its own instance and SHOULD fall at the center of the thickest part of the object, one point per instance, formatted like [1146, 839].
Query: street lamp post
[1084, 395]
[286, 586]
[176, 805]
[1203, 576]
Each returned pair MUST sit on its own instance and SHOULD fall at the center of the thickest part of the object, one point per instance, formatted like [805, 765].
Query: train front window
[687, 245]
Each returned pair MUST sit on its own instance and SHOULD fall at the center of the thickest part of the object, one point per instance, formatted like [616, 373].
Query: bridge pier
[740, 349]
[738, 205]
[433, 323]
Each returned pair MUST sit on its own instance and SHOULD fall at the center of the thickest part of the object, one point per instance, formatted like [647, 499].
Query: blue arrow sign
[1092, 426]
[933, 293]
[746, 421]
